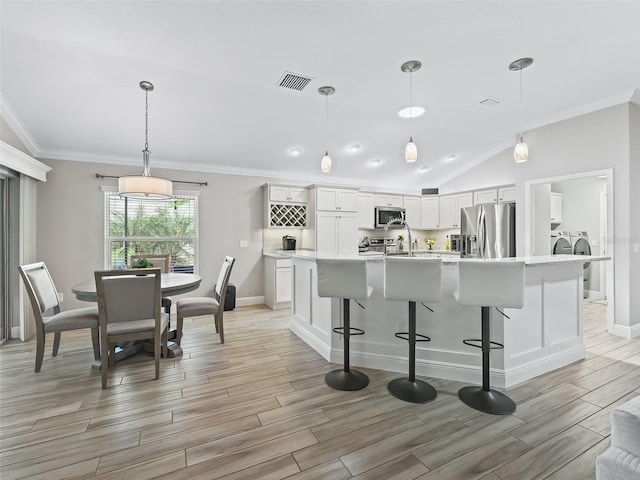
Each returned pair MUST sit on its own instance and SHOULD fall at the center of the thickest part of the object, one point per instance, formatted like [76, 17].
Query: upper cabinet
[450, 206]
[336, 199]
[430, 212]
[413, 207]
[286, 193]
[507, 194]
[366, 206]
[556, 207]
[386, 200]
[482, 197]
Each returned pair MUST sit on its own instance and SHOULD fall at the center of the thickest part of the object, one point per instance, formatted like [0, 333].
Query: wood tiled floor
[257, 408]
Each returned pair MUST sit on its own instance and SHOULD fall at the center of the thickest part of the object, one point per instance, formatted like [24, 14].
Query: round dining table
[170, 283]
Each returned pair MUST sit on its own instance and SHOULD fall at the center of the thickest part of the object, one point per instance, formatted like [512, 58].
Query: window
[151, 227]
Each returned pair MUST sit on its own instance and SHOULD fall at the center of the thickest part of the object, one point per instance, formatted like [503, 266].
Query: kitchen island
[546, 334]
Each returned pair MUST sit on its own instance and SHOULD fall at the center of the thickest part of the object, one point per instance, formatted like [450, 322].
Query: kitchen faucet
[401, 222]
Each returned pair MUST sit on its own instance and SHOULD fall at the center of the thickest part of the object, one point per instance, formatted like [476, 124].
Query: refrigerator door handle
[482, 234]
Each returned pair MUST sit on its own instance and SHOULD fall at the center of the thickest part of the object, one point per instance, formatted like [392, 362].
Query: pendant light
[411, 150]
[325, 165]
[145, 186]
[521, 151]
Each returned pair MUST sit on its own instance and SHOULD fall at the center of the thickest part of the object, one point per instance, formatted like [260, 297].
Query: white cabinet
[366, 206]
[556, 207]
[413, 207]
[336, 199]
[285, 193]
[337, 233]
[507, 194]
[450, 206]
[430, 214]
[483, 197]
[277, 282]
[386, 200]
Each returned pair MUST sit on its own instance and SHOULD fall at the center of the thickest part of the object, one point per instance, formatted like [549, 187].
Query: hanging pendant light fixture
[325, 165]
[145, 186]
[521, 151]
[411, 150]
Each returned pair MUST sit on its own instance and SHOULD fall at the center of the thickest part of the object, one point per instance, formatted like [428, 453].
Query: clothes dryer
[580, 246]
[561, 243]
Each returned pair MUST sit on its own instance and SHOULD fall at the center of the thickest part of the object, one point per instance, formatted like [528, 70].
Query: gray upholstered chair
[196, 306]
[44, 297]
[129, 303]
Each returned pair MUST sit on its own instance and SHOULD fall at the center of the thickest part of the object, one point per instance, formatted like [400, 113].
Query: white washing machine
[561, 243]
[580, 246]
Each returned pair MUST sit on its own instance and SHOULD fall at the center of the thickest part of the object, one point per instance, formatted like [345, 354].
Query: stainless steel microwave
[384, 215]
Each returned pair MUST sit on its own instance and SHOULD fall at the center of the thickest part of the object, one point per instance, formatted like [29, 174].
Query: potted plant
[431, 242]
[141, 263]
[400, 244]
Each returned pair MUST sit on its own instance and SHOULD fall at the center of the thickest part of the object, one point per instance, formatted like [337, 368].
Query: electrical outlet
[60, 297]
[244, 244]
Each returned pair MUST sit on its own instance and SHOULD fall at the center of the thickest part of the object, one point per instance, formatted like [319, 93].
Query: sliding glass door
[9, 197]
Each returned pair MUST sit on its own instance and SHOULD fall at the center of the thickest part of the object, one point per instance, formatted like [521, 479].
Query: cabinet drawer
[283, 262]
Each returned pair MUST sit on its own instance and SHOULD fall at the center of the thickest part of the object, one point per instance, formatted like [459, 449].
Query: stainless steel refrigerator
[488, 231]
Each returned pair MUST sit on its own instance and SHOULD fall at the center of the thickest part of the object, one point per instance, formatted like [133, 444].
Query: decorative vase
[400, 246]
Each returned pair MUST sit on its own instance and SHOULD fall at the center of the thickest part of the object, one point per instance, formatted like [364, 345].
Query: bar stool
[345, 279]
[413, 280]
[489, 283]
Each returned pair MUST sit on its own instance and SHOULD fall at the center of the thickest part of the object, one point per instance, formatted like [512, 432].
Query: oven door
[384, 215]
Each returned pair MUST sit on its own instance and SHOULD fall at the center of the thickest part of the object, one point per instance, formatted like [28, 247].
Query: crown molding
[21, 162]
[18, 127]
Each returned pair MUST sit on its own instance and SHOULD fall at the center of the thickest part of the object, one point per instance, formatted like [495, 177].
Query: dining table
[171, 284]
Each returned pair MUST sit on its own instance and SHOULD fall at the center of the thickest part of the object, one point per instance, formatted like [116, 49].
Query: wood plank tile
[405, 467]
[536, 407]
[600, 422]
[275, 469]
[614, 390]
[333, 470]
[583, 467]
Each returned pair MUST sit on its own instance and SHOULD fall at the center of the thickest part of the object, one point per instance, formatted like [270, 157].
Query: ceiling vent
[490, 102]
[293, 81]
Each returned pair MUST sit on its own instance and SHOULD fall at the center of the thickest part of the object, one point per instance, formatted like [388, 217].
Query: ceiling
[70, 72]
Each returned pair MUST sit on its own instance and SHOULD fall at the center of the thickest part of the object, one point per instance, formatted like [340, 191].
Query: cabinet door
[464, 200]
[278, 193]
[507, 194]
[430, 212]
[556, 207]
[413, 206]
[326, 232]
[448, 211]
[348, 200]
[326, 199]
[347, 233]
[383, 200]
[366, 205]
[485, 196]
[297, 195]
[283, 284]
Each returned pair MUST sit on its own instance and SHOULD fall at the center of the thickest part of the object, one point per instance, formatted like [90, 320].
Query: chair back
[128, 295]
[40, 288]
[342, 278]
[413, 279]
[491, 283]
[163, 262]
[220, 290]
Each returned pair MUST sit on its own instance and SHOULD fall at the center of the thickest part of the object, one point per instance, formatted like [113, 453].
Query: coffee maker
[288, 242]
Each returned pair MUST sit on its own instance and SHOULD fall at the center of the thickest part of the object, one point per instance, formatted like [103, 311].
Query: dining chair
[196, 306]
[163, 262]
[44, 297]
[129, 303]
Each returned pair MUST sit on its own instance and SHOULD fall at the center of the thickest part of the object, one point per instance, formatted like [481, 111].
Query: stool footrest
[352, 331]
[419, 337]
[493, 345]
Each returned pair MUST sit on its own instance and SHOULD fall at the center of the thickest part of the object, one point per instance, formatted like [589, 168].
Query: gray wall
[71, 225]
[596, 141]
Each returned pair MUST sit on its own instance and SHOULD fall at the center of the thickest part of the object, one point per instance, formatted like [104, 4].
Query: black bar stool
[345, 279]
[487, 284]
[413, 280]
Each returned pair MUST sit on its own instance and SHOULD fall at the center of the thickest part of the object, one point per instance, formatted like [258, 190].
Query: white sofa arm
[622, 460]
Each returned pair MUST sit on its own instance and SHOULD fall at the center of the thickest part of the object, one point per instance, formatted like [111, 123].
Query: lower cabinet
[277, 282]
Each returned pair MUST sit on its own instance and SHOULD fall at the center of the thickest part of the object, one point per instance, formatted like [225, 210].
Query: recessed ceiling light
[451, 158]
[295, 152]
[424, 169]
[375, 162]
[411, 112]
[354, 148]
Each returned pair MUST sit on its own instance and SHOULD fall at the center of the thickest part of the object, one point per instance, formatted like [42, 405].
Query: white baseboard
[244, 301]
[15, 332]
[627, 332]
[314, 342]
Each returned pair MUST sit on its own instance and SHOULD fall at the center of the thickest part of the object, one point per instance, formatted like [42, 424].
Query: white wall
[592, 142]
[634, 212]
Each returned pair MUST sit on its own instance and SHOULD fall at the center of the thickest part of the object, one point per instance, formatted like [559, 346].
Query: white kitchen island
[546, 334]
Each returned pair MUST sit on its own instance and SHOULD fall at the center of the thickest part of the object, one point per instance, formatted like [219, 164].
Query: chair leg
[104, 359]
[39, 349]
[112, 356]
[179, 321]
[215, 321]
[219, 324]
[95, 340]
[345, 378]
[484, 398]
[56, 343]
[410, 389]
[165, 343]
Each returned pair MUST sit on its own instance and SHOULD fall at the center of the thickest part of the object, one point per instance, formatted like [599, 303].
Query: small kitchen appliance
[288, 242]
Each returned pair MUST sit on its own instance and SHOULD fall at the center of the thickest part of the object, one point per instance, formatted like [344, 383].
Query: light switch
[594, 243]
[60, 297]
[636, 247]
[244, 244]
